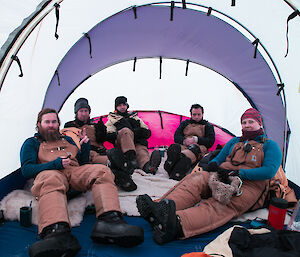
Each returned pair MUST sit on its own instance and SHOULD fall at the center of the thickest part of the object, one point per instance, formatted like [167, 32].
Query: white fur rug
[153, 185]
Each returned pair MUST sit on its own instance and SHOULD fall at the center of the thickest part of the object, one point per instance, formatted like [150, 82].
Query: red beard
[49, 134]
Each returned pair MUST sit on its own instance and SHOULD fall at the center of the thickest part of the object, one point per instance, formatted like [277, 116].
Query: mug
[25, 216]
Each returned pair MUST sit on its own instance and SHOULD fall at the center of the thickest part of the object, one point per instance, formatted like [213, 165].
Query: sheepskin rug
[153, 185]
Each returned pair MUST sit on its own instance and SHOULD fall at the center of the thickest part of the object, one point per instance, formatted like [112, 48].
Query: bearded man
[55, 163]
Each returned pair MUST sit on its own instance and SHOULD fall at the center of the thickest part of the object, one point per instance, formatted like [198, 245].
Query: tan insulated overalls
[200, 213]
[125, 141]
[50, 186]
[94, 156]
[190, 131]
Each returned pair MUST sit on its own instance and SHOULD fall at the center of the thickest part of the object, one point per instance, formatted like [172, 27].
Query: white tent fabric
[22, 98]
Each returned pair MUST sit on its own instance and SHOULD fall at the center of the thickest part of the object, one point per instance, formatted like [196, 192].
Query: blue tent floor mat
[15, 241]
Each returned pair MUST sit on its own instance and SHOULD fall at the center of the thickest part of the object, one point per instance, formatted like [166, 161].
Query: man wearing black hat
[96, 132]
[129, 134]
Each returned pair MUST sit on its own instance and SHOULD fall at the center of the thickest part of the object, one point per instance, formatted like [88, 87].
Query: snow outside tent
[225, 55]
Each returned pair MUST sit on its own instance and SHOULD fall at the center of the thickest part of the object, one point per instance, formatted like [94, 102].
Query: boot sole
[123, 241]
[173, 154]
[124, 180]
[161, 237]
[155, 159]
[117, 159]
[180, 169]
[49, 247]
[145, 207]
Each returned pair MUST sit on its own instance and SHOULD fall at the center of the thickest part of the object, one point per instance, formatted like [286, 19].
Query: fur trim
[223, 192]
[153, 185]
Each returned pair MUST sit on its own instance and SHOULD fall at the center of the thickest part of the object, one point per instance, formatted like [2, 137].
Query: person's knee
[49, 181]
[124, 131]
[195, 149]
[102, 174]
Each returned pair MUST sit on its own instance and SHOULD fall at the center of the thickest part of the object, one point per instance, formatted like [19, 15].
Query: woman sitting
[193, 207]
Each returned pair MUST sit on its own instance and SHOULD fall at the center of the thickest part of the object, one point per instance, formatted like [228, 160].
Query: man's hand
[83, 137]
[188, 141]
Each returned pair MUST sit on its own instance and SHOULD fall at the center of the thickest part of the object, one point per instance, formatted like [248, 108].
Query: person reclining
[129, 133]
[55, 163]
[190, 208]
[192, 140]
[96, 132]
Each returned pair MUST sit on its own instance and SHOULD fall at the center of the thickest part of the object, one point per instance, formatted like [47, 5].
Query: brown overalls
[50, 186]
[190, 131]
[200, 213]
[125, 141]
[94, 156]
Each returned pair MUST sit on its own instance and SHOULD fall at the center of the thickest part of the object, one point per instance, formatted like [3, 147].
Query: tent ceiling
[192, 35]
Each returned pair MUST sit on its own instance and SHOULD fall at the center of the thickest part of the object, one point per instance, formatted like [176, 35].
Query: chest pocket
[194, 130]
[247, 155]
[49, 151]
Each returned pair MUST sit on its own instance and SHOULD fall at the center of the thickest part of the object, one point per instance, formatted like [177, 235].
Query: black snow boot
[162, 217]
[131, 160]
[119, 167]
[173, 156]
[152, 165]
[124, 181]
[181, 168]
[111, 228]
[147, 209]
[117, 159]
[57, 241]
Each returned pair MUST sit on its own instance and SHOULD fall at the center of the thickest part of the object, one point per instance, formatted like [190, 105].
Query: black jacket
[208, 140]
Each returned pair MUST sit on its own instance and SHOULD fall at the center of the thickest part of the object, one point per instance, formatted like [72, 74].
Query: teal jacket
[271, 163]
[29, 157]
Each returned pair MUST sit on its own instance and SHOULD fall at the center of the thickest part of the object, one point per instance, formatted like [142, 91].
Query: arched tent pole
[291, 5]
[248, 34]
[20, 34]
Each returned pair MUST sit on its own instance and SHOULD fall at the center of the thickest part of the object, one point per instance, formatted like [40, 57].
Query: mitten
[212, 166]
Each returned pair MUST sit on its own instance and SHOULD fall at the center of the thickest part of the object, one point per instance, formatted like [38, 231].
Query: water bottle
[277, 212]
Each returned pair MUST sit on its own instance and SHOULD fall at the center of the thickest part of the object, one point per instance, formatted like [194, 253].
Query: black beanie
[121, 100]
[81, 103]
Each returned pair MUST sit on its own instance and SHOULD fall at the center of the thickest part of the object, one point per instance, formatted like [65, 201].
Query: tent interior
[161, 56]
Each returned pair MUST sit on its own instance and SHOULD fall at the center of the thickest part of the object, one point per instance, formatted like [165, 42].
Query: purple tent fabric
[192, 35]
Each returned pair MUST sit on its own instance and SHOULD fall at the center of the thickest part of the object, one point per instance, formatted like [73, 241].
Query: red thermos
[277, 212]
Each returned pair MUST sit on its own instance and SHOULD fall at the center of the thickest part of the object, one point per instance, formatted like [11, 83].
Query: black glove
[223, 175]
[134, 123]
[141, 133]
[100, 132]
[122, 123]
[212, 166]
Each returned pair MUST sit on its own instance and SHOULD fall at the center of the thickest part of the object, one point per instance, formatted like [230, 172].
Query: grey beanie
[81, 103]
